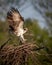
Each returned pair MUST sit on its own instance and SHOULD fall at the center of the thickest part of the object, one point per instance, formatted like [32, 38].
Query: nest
[16, 55]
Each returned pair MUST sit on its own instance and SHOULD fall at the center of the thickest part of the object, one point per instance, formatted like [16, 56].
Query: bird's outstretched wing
[14, 18]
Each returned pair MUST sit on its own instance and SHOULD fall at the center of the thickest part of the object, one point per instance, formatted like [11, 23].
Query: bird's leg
[22, 38]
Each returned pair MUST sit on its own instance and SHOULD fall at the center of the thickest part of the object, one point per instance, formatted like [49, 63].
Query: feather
[16, 22]
[14, 18]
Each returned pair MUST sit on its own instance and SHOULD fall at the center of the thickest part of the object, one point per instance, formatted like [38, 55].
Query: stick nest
[15, 55]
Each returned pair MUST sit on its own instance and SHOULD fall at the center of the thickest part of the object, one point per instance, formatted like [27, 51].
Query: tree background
[42, 36]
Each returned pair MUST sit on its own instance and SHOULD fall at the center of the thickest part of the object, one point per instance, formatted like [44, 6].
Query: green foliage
[49, 14]
[35, 33]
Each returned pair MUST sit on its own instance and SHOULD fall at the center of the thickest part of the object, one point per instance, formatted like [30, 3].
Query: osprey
[16, 22]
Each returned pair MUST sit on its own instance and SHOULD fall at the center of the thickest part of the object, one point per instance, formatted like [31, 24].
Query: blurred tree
[44, 7]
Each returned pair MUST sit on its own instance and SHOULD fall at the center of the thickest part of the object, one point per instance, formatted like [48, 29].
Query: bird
[16, 23]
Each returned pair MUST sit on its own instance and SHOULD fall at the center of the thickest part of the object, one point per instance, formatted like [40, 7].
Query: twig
[4, 43]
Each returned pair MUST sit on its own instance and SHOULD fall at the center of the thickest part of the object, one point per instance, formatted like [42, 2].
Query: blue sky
[30, 12]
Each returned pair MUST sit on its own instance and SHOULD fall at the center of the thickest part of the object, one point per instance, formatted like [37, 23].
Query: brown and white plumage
[16, 22]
